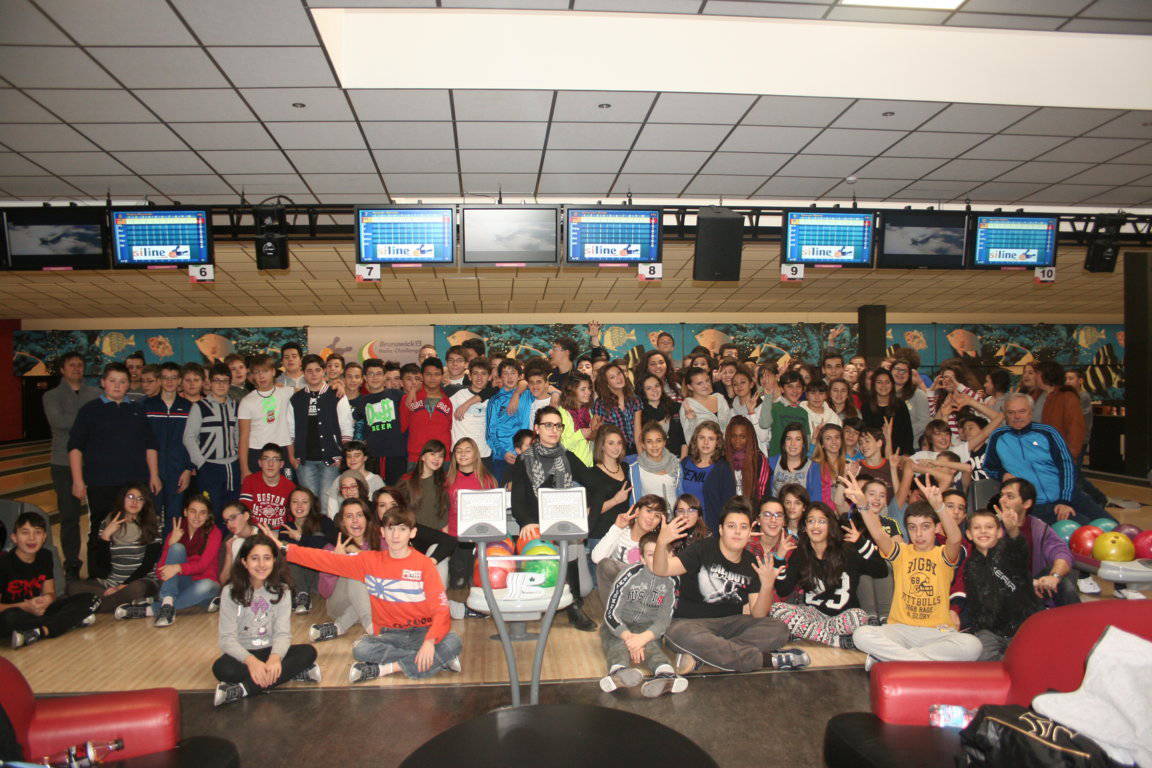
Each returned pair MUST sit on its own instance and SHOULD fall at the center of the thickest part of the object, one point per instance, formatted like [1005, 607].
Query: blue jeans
[184, 590]
[400, 646]
[222, 484]
[316, 476]
[1087, 510]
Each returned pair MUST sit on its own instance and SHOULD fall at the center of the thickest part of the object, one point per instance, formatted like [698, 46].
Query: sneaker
[789, 659]
[869, 662]
[662, 683]
[455, 665]
[302, 602]
[226, 693]
[578, 619]
[328, 630]
[1130, 594]
[214, 606]
[310, 675]
[457, 609]
[873, 620]
[1087, 585]
[845, 642]
[624, 677]
[362, 671]
[133, 610]
[685, 663]
[25, 637]
[165, 616]
[89, 620]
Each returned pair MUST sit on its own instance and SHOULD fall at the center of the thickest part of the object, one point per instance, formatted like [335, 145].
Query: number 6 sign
[201, 273]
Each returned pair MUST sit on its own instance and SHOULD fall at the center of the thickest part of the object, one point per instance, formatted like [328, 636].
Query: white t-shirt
[658, 484]
[268, 414]
[473, 424]
[536, 405]
[817, 420]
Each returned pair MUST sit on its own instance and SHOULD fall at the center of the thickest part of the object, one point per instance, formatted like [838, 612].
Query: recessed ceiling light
[887, 114]
[605, 105]
[936, 5]
[299, 104]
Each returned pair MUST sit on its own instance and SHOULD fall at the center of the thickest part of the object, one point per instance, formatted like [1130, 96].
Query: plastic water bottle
[84, 755]
[949, 715]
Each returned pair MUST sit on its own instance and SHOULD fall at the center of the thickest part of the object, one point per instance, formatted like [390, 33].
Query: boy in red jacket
[427, 415]
[410, 618]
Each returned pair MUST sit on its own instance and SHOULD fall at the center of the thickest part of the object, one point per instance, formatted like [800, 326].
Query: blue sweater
[718, 485]
[114, 439]
[1036, 453]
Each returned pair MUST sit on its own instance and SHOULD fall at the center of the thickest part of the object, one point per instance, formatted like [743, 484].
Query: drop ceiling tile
[247, 161]
[867, 189]
[888, 15]
[317, 135]
[559, 161]
[225, 135]
[141, 136]
[147, 163]
[842, 141]
[1132, 125]
[344, 182]
[814, 166]
[540, 5]
[789, 187]
[1141, 155]
[15, 107]
[1005, 21]
[1119, 9]
[898, 168]
[936, 188]
[640, 161]
[502, 106]
[1123, 196]
[718, 108]
[119, 22]
[501, 135]
[46, 186]
[1111, 174]
[24, 24]
[277, 104]
[77, 163]
[332, 161]
[160, 67]
[275, 67]
[416, 104]
[499, 160]
[663, 184]
[773, 10]
[209, 105]
[423, 183]
[494, 183]
[99, 186]
[1066, 193]
[901, 115]
[771, 139]
[935, 144]
[605, 136]
[576, 183]
[371, 3]
[639, 6]
[263, 22]
[12, 164]
[417, 160]
[976, 118]
[724, 186]
[1063, 121]
[1003, 191]
[413, 135]
[190, 185]
[1043, 172]
[1019, 148]
[106, 106]
[26, 66]
[1108, 26]
[1091, 150]
[681, 137]
[267, 184]
[30, 137]
[796, 111]
[759, 164]
[1038, 7]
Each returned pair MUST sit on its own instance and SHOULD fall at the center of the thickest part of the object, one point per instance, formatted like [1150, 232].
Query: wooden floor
[114, 655]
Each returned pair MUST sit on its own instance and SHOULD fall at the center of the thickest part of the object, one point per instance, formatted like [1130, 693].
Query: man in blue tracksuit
[502, 425]
[167, 415]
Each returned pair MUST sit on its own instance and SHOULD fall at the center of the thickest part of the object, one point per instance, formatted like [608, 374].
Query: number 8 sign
[649, 271]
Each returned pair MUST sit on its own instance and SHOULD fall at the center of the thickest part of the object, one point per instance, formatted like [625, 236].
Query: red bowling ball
[1083, 539]
[1143, 544]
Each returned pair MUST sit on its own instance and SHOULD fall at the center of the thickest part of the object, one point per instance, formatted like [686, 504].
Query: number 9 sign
[791, 273]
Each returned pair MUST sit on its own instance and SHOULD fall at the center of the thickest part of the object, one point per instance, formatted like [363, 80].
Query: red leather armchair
[1048, 653]
[148, 721]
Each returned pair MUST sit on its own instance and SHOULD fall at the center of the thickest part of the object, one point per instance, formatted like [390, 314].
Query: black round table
[561, 735]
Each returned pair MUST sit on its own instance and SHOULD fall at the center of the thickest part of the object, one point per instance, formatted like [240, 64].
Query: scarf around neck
[541, 462]
[666, 464]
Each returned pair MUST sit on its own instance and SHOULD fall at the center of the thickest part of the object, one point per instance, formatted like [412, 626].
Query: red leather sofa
[148, 721]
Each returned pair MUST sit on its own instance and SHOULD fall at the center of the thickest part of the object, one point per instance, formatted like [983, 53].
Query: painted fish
[38, 369]
[214, 346]
[711, 339]
[1087, 335]
[1104, 373]
[1014, 357]
[653, 336]
[964, 342]
[915, 340]
[160, 346]
[633, 356]
[616, 337]
[462, 336]
[113, 343]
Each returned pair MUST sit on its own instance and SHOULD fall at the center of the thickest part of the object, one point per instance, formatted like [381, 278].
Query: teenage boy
[426, 351]
[410, 620]
[212, 439]
[29, 610]
[61, 404]
[784, 412]
[832, 366]
[470, 406]
[110, 446]
[410, 379]
[427, 414]
[266, 492]
[263, 415]
[503, 420]
[817, 408]
[149, 383]
[718, 577]
[636, 616]
[391, 375]
[536, 377]
[238, 366]
[666, 343]
[334, 367]
[379, 411]
[135, 365]
[167, 416]
[563, 356]
[920, 625]
[292, 363]
[319, 423]
[474, 348]
[456, 370]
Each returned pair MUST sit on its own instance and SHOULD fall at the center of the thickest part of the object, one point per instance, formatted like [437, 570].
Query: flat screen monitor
[54, 238]
[406, 235]
[824, 238]
[152, 237]
[614, 235]
[922, 239]
[1014, 241]
[510, 235]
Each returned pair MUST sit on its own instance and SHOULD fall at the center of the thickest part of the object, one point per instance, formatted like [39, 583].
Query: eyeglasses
[817, 522]
[772, 515]
[133, 497]
[552, 425]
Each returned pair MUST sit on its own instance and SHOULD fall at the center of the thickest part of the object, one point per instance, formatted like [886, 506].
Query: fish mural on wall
[161, 346]
[115, 342]
[214, 347]
[524, 342]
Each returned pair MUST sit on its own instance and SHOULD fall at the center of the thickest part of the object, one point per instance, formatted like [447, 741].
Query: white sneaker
[455, 665]
[90, 619]
[227, 693]
[456, 609]
[868, 662]
[1130, 594]
[310, 675]
[624, 677]
[1087, 585]
[686, 663]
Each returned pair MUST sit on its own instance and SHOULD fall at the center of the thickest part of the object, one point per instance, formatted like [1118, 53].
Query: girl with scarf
[657, 406]
[656, 471]
[743, 455]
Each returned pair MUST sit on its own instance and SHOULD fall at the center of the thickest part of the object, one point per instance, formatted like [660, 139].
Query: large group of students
[733, 505]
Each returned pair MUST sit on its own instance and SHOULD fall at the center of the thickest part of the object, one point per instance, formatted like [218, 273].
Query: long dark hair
[640, 372]
[312, 523]
[813, 569]
[277, 583]
[667, 405]
[750, 472]
[893, 398]
[410, 483]
[782, 464]
[372, 538]
[149, 524]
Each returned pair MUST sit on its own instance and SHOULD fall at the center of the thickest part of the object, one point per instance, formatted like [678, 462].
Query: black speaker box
[271, 252]
[719, 241]
[871, 331]
[1101, 256]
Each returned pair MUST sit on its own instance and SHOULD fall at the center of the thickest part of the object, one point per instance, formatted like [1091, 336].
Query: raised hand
[112, 526]
[676, 528]
[264, 529]
[342, 544]
[853, 491]
[622, 495]
[1010, 518]
[786, 545]
[624, 519]
[851, 532]
[766, 569]
[177, 533]
[931, 493]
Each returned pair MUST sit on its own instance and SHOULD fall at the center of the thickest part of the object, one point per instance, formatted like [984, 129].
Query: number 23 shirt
[861, 559]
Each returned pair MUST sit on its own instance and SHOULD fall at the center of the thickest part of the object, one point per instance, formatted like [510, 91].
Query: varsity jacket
[333, 423]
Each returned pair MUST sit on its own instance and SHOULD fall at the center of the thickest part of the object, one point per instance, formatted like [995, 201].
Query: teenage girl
[656, 470]
[659, 407]
[701, 405]
[304, 525]
[620, 547]
[706, 473]
[792, 465]
[425, 487]
[348, 601]
[773, 535]
[689, 507]
[122, 558]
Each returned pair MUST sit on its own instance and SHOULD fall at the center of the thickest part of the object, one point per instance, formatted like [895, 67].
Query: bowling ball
[541, 548]
[1113, 546]
[550, 569]
[498, 570]
[1104, 523]
[1143, 544]
[1065, 528]
[1129, 530]
[1083, 538]
[526, 545]
[527, 534]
